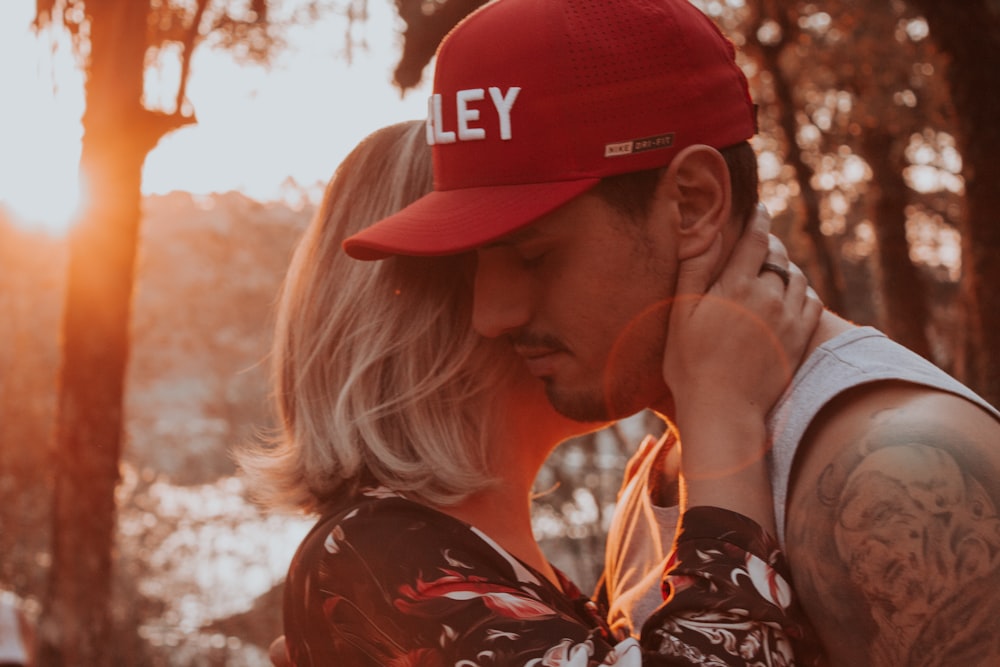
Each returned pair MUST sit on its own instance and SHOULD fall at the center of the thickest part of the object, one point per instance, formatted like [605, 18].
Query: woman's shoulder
[376, 515]
[364, 571]
[382, 528]
[386, 535]
[381, 577]
[374, 504]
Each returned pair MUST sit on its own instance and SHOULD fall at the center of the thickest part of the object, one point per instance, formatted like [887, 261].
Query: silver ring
[779, 271]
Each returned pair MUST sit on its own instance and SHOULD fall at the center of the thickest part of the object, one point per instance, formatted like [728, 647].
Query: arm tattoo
[900, 542]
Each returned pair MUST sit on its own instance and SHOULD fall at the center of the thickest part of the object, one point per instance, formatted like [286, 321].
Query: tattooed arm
[893, 529]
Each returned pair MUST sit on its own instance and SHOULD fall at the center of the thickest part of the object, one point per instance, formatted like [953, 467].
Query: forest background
[133, 352]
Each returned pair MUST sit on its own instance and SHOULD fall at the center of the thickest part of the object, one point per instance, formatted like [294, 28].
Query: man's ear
[697, 182]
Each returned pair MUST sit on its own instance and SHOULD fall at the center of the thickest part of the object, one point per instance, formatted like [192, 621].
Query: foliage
[32, 271]
[196, 563]
[848, 127]
[115, 40]
[244, 26]
[878, 155]
[427, 22]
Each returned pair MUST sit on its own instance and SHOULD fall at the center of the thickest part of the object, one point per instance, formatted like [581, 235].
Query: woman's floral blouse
[387, 582]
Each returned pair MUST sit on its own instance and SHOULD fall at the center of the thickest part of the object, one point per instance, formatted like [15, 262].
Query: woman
[418, 442]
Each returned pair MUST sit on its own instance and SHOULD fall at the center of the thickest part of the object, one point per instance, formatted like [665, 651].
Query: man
[584, 149]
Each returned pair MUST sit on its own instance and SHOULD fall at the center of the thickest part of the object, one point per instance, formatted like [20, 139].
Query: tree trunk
[969, 34]
[903, 291]
[76, 626]
[827, 281]
[424, 31]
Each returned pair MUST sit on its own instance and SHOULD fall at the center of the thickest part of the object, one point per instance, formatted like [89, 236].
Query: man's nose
[501, 300]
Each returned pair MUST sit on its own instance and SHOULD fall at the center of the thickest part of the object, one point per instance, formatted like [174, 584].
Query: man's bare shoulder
[893, 528]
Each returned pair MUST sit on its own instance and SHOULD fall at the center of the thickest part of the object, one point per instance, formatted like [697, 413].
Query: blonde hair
[378, 376]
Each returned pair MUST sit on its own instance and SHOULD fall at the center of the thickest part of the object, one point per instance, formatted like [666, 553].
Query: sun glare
[39, 124]
[261, 130]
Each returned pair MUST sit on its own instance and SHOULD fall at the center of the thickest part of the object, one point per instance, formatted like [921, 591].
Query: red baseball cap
[536, 100]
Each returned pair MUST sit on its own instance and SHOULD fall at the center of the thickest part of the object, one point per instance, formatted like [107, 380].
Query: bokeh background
[154, 180]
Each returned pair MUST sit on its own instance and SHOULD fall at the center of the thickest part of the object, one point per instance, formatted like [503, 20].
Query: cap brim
[453, 221]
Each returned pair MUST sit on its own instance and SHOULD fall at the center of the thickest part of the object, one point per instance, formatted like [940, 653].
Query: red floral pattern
[386, 581]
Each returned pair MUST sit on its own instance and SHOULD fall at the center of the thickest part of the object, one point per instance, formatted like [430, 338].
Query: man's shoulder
[887, 412]
[850, 356]
[878, 427]
[894, 523]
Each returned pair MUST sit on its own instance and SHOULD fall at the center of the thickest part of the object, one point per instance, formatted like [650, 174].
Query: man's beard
[582, 405]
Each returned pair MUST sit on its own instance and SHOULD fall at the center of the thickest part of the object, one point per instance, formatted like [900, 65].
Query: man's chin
[590, 406]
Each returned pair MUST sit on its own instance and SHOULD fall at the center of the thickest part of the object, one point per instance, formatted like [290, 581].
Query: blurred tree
[115, 41]
[968, 33]
[427, 22]
[774, 31]
[851, 80]
[880, 88]
[32, 276]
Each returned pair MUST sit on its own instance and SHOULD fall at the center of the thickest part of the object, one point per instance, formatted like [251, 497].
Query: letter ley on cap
[464, 114]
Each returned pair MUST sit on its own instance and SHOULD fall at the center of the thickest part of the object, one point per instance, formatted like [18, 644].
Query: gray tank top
[641, 534]
[856, 357]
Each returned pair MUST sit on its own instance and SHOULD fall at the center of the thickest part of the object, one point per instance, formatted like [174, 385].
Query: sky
[256, 128]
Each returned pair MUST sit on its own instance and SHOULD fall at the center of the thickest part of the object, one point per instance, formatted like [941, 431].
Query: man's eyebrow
[519, 236]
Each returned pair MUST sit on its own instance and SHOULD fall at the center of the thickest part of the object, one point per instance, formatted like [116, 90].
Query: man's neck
[830, 326]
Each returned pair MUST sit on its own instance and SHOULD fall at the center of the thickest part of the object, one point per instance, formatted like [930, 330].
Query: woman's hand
[732, 348]
[741, 337]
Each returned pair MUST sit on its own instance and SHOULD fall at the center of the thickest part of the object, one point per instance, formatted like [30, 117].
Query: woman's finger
[751, 249]
[777, 253]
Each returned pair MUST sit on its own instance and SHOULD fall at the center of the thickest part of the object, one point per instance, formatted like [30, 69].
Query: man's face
[583, 296]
